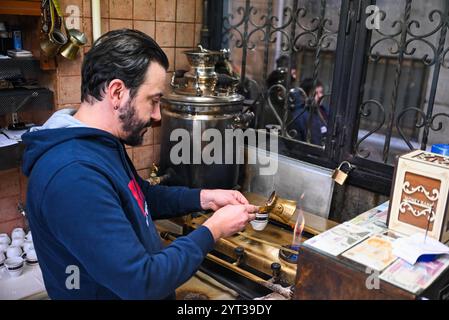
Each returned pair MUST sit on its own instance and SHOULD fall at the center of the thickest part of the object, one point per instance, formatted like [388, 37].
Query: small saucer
[32, 262]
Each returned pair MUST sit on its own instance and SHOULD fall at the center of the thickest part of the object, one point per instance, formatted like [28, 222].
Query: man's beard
[131, 125]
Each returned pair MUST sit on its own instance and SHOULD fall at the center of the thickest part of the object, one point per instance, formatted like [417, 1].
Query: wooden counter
[324, 277]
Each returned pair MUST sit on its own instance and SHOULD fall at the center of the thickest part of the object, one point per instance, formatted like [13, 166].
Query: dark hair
[119, 54]
[282, 61]
[307, 85]
[278, 76]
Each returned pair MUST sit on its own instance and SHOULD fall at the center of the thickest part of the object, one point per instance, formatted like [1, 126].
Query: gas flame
[299, 225]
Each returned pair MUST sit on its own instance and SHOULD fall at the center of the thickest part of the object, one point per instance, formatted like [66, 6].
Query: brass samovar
[199, 100]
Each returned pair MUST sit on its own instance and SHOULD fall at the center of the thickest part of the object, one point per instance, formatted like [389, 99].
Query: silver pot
[195, 105]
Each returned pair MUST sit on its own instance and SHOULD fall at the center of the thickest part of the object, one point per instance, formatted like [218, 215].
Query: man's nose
[156, 114]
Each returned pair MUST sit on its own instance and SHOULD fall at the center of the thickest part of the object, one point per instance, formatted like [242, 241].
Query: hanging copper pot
[77, 39]
[52, 42]
[56, 41]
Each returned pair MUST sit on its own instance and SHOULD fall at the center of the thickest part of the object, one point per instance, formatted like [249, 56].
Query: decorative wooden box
[420, 194]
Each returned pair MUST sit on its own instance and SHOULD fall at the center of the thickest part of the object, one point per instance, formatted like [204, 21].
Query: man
[90, 213]
[309, 115]
[280, 74]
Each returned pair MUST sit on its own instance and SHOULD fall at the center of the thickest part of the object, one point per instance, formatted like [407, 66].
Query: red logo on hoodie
[138, 195]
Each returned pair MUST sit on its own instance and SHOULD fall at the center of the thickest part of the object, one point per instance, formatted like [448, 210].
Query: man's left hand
[218, 198]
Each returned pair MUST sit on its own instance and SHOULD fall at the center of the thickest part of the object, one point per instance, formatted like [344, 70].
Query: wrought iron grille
[300, 29]
[413, 38]
[387, 86]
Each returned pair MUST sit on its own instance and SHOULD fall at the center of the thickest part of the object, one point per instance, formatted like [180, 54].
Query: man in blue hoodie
[90, 213]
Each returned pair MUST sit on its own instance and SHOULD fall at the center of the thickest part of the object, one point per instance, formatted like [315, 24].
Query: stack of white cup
[14, 250]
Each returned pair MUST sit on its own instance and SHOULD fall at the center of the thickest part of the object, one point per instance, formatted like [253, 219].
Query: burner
[287, 255]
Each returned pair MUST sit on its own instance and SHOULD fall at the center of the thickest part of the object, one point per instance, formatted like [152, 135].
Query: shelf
[16, 68]
[21, 99]
[23, 8]
[11, 156]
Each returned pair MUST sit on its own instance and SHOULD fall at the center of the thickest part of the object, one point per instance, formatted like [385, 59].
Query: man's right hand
[230, 219]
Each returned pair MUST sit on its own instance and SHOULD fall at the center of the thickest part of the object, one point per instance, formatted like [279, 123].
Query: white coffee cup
[13, 251]
[258, 225]
[3, 247]
[4, 238]
[18, 233]
[14, 266]
[260, 222]
[2, 260]
[17, 237]
[31, 257]
[17, 242]
[27, 245]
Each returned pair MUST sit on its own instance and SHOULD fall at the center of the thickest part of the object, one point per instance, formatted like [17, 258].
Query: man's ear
[116, 92]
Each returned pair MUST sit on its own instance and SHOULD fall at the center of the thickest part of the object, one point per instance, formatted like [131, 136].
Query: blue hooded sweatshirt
[91, 216]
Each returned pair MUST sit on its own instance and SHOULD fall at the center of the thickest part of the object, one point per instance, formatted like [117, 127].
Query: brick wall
[174, 24]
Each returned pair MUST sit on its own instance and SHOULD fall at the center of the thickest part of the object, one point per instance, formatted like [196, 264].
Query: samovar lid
[203, 58]
[201, 84]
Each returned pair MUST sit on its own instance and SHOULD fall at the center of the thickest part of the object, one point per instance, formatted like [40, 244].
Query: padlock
[339, 175]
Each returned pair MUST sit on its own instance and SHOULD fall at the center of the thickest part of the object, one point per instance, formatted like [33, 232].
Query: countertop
[29, 285]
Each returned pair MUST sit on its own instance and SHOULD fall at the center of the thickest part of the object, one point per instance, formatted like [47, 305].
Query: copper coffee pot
[55, 41]
[279, 209]
[52, 41]
[77, 39]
